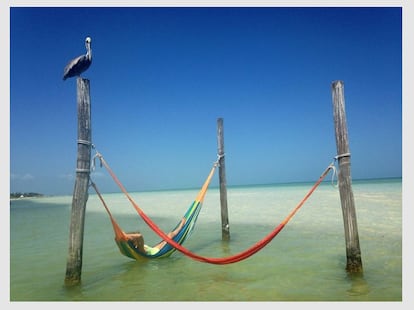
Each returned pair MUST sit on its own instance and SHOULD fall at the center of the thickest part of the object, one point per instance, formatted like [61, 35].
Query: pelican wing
[76, 66]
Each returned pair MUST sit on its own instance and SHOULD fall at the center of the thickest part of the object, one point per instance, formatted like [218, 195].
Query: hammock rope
[211, 260]
[200, 196]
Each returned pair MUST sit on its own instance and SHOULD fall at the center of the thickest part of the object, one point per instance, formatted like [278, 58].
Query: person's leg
[171, 234]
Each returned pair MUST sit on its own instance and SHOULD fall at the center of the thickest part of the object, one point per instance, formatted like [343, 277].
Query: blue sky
[161, 76]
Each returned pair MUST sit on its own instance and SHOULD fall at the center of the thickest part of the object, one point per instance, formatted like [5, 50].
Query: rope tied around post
[334, 170]
[83, 170]
[85, 142]
[337, 157]
[217, 162]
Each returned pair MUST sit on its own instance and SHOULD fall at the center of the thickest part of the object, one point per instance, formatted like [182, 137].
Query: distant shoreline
[14, 196]
[17, 196]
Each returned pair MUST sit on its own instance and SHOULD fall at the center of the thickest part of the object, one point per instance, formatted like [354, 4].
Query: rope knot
[217, 162]
[100, 157]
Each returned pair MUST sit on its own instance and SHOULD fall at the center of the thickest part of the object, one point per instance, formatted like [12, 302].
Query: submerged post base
[354, 264]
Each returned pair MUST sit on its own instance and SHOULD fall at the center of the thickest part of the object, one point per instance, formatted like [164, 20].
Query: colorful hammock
[175, 244]
[126, 246]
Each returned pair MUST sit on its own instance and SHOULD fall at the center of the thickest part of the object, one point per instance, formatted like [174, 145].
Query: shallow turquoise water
[305, 262]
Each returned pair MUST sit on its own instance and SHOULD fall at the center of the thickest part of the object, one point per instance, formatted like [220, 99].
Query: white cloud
[24, 177]
[68, 176]
[27, 177]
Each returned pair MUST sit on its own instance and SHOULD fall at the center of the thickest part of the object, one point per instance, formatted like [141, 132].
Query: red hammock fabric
[244, 254]
[218, 260]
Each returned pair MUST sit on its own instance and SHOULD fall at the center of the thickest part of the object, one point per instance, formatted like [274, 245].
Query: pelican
[79, 64]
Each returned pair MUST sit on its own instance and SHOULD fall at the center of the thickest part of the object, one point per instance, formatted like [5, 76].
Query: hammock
[177, 245]
[126, 246]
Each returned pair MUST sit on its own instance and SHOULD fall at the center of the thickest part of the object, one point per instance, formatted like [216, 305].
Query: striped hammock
[128, 249]
[126, 246]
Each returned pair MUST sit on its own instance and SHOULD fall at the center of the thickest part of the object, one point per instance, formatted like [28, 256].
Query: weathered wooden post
[353, 252]
[80, 193]
[225, 227]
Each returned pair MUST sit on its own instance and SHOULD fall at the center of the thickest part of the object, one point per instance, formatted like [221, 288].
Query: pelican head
[88, 41]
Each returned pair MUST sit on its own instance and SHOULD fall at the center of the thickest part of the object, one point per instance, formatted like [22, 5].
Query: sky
[162, 76]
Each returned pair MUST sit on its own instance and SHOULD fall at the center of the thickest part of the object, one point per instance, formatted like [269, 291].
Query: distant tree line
[23, 195]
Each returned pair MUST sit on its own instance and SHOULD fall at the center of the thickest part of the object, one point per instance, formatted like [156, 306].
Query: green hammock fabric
[128, 249]
[126, 246]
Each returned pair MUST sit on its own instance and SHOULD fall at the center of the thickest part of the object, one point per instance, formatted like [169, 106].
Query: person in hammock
[137, 240]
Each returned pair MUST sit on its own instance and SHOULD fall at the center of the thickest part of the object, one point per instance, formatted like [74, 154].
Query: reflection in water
[359, 287]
